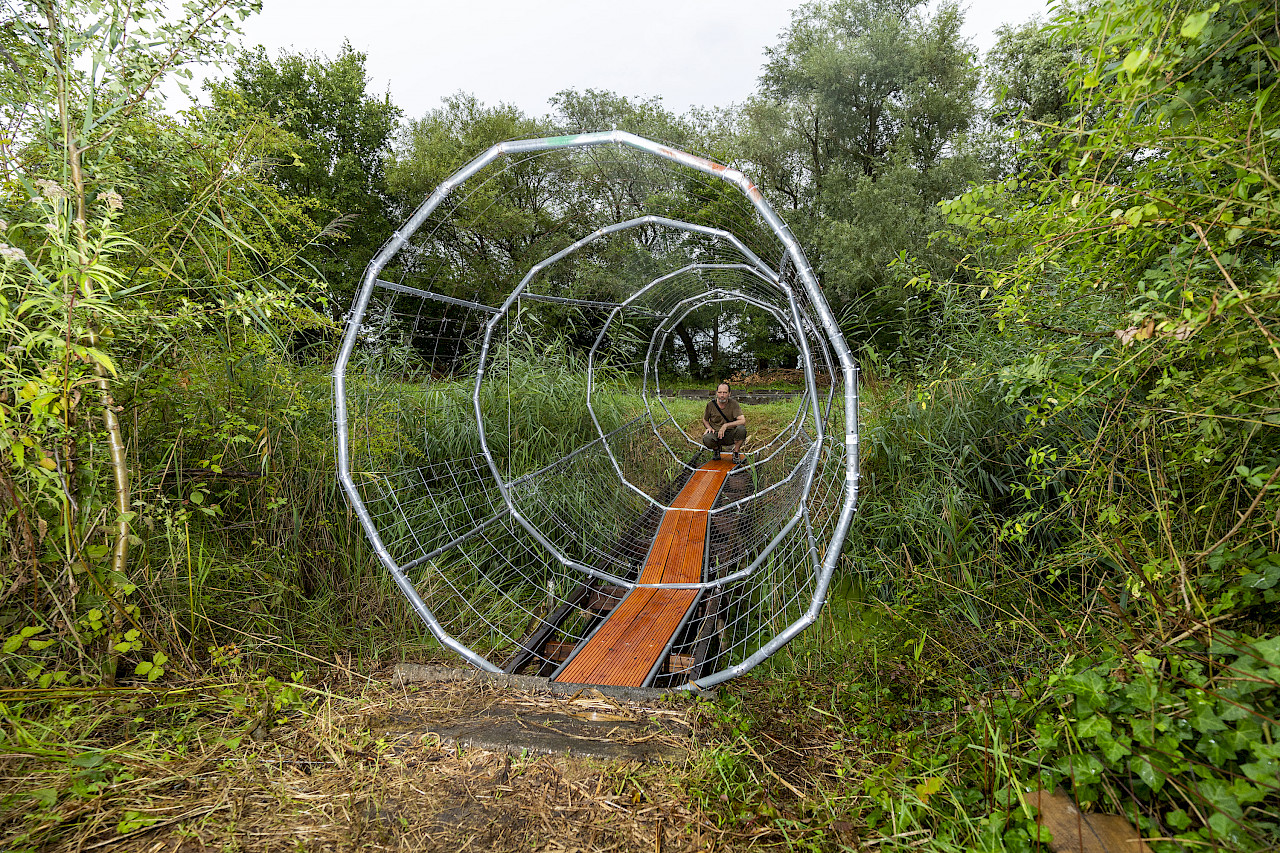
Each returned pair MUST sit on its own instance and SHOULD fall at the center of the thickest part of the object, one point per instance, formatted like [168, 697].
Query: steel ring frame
[813, 293]
[806, 358]
[730, 296]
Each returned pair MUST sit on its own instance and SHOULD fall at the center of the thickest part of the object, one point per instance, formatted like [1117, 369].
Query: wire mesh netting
[504, 435]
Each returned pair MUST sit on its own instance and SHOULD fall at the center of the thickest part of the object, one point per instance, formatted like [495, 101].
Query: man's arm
[740, 420]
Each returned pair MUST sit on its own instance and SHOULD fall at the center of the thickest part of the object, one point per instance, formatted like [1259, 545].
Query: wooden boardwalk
[627, 648]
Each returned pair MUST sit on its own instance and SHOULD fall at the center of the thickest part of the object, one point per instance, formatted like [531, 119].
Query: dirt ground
[431, 798]
[448, 767]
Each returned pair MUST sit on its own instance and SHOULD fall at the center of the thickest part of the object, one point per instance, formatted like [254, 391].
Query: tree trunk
[715, 342]
[72, 151]
[690, 350]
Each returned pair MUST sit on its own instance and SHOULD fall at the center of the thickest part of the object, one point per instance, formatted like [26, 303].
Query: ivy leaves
[1190, 735]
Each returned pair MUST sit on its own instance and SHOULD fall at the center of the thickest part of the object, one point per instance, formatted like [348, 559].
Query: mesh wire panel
[503, 434]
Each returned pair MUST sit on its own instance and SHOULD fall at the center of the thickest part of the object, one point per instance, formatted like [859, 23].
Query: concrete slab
[521, 715]
[412, 673]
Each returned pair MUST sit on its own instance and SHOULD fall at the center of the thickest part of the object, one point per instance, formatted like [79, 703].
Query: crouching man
[725, 423]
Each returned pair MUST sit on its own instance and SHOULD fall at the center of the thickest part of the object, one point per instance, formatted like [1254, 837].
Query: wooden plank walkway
[626, 648]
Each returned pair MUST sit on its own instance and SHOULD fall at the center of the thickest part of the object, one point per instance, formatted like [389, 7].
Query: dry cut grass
[203, 769]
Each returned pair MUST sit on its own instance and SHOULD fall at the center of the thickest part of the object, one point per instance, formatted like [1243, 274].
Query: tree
[344, 135]
[861, 77]
[126, 233]
[528, 208]
[1026, 80]
[505, 227]
[858, 129]
[593, 110]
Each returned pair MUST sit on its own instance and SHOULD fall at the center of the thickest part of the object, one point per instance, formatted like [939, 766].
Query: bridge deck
[626, 648]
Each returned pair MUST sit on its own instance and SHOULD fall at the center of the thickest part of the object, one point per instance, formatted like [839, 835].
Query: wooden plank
[605, 598]
[557, 651]
[633, 650]
[676, 663]
[691, 570]
[673, 572]
[707, 642]
[595, 655]
[532, 642]
[677, 534]
[617, 653]
[652, 571]
[595, 658]
[626, 647]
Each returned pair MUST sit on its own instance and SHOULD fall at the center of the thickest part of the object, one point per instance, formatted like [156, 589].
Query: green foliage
[1027, 70]
[336, 166]
[1180, 740]
[593, 110]
[48, 363]
[856, 136]
[135, 238]
[533, 403]
[872, 76]
[1116, 319]
[216, 237]
[1026, 76]
[1145, 285]
[501, 228]
[1090, 477]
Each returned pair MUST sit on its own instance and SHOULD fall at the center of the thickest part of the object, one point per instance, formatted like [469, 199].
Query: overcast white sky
[703, 53]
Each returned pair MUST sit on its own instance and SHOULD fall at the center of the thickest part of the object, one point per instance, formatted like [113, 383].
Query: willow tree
[858, 130]
[88, 262]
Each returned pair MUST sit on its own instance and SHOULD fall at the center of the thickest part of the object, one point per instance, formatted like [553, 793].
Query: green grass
[764, 421]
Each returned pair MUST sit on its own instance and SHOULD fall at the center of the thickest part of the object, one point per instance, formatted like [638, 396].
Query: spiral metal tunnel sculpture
[516, 563]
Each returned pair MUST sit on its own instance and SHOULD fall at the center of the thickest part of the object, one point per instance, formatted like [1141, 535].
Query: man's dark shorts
[732, 434]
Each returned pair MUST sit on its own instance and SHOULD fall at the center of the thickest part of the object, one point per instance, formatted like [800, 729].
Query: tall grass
[958, 528]
[533, 401]
[246, 538]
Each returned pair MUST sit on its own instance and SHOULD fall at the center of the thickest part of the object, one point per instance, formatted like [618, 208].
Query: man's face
[722, 394]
